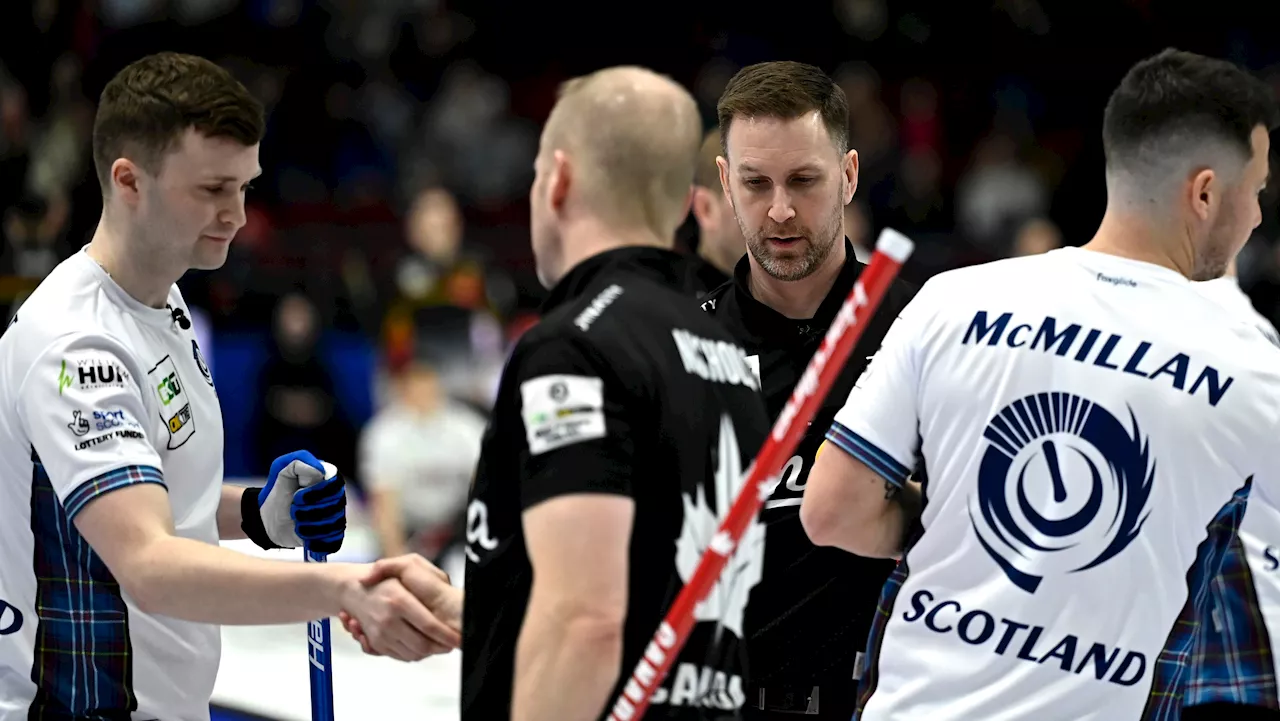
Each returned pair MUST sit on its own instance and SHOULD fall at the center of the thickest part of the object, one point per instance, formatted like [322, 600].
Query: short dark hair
[147, 107]
[784, 89]
[1181, 94]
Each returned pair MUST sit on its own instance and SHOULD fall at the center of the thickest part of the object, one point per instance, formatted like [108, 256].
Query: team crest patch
[204, 368]
[175, 406]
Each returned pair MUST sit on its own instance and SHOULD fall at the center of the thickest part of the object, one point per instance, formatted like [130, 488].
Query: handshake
[401, 607]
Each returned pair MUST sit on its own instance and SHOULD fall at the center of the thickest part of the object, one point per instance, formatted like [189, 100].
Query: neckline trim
[157, 317]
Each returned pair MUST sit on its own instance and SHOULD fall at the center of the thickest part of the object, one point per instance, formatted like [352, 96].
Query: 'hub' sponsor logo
[92, 373]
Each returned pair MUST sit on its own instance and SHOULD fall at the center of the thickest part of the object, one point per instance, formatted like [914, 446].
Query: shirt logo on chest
[175, 407]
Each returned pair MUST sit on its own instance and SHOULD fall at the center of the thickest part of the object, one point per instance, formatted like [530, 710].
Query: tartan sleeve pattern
[1232, 659]
[108, 482]
[83, 666]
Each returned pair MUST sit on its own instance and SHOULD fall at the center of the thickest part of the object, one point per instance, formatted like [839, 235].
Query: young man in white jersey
[111, 495]
[1091, 431]
[1233, 665]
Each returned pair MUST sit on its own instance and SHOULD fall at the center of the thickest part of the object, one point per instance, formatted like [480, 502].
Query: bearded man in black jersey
[788, 172]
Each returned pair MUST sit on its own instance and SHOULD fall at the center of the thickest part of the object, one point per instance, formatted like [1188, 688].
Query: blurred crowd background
[385, 270]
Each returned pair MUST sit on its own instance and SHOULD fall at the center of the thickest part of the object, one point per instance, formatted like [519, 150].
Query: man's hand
[428, 584]
[304, 502]
[391, 621]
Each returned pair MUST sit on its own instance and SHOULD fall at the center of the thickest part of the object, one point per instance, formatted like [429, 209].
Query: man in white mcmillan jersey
[1086, 429]
[1233, 663]
[111, 495]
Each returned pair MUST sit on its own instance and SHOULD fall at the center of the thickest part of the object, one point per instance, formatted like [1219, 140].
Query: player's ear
[1205, 191]
[703, 210]
[125, 176]
[849, 166]
[723, 164]
[560, 180]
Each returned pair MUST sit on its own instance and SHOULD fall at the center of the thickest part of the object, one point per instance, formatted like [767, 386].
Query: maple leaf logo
[727, 600]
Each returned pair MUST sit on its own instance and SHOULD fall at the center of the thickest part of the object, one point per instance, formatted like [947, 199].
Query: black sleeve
[578, 421]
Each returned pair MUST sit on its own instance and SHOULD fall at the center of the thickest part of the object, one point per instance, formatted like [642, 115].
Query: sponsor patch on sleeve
[88, 370]
[560, 410]
[83, 422]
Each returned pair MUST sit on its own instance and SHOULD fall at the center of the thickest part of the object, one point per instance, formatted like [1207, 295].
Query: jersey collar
[765, 322]
[659, 264]
[156, 317]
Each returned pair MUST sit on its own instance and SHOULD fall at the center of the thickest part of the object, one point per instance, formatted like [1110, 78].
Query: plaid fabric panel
[82, 668]
[1173, 666]
[884, 609]
[1232, 659]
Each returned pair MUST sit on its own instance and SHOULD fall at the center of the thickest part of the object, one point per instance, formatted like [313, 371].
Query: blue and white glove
[304, 502]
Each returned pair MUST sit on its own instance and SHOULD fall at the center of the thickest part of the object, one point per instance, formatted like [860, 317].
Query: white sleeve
[879, 423]
[82, 409]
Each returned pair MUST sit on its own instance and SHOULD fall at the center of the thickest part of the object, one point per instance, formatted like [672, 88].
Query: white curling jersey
[97, 392]
[1088, 429]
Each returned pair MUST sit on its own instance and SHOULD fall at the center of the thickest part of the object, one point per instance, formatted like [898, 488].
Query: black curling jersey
[623, 387]
[810, 616]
